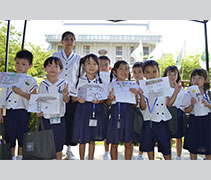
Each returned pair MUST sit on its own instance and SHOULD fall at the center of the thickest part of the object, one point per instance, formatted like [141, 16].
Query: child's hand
[178, 87]
[1, 119]
[134, 91]
[95, 101]
[140, 92]
[65, 90]
[40, 114]
[193, 101]
[74, 99]
[205, 103]
[111, 95]
[17, 90]
[81, 100]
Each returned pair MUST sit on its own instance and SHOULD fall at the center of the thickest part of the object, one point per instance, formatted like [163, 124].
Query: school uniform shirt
[84, 80]
[70, 69]
[180, 96]
[199, 108]
[46, 87]
[11, 100]
[160, 111]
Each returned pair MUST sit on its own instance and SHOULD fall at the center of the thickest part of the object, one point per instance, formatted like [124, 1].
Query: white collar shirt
[11, 100]
[46, 87]
[70, 69]
[160, 111]
[199, 108]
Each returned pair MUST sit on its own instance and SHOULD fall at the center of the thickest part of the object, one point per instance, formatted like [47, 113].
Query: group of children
[81, 122]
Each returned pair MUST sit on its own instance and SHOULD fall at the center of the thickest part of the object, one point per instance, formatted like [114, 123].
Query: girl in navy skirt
[54, 85]
[120, 113]
[89, 121]
[198, 134]
[174, 77]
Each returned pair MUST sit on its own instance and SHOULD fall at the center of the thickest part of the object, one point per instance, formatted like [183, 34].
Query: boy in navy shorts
[15, 100]
[156, 115]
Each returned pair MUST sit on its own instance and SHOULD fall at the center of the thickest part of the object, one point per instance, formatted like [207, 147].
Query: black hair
[83, 60]
[52, 59]
[204, 74]
[116, 66]
[105, 58]
[68, 33]
[138, 64]
[172, 69]
[24, 54]
[150, 63]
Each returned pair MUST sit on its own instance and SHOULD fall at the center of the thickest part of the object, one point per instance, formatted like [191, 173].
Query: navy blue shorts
[158, 132]
[58, 132]
[16, 123]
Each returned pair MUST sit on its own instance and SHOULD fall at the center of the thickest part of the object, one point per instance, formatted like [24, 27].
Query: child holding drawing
[156, 116]
[54, 85]
[121, 114]
[16, 100]
[198, 134]
[89, 122]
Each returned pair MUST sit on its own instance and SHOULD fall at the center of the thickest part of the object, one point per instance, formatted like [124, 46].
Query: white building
[118, 39]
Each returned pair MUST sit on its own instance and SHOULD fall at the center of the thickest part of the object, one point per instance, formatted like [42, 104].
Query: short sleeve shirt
[70, 69]
[11, 100]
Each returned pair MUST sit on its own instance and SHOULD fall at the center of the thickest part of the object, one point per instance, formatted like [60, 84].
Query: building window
[131, 49]
[118, 50]
[86, 50]
[146, 51]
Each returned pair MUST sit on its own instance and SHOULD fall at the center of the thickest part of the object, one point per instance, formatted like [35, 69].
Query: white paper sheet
[90, 91]
[195, 92]
[7, 79]
[105, 76]
[158, 87]
[122, 92]
[46, 103]
[199, 108]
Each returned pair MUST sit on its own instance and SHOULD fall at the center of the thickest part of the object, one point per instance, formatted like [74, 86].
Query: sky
[174, 33]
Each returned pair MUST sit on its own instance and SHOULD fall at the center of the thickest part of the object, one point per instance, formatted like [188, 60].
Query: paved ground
[99, 152]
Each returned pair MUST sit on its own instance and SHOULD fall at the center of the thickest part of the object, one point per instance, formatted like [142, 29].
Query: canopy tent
[24, 32]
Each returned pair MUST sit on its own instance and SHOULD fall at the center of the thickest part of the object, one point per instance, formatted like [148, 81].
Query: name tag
[118, 124]
[92, 123]
[56, 120]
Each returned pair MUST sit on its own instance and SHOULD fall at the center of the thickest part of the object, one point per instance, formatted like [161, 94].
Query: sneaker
[70, 155]
[178, 158]
[139, 157]
[19, 157]
[107, 156]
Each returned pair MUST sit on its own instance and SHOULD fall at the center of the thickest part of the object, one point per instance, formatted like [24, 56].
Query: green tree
[14, 46]
[164, 62]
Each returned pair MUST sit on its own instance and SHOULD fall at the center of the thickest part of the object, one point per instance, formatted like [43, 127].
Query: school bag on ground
[5, 148]
[172, 123]
[138, 121]
[39, 145]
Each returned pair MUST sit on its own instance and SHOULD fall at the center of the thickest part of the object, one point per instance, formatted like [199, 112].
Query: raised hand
[178, 87]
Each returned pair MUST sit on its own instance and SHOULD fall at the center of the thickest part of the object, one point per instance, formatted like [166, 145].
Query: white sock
[13, 157]
[106, 153]
[68, 148]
